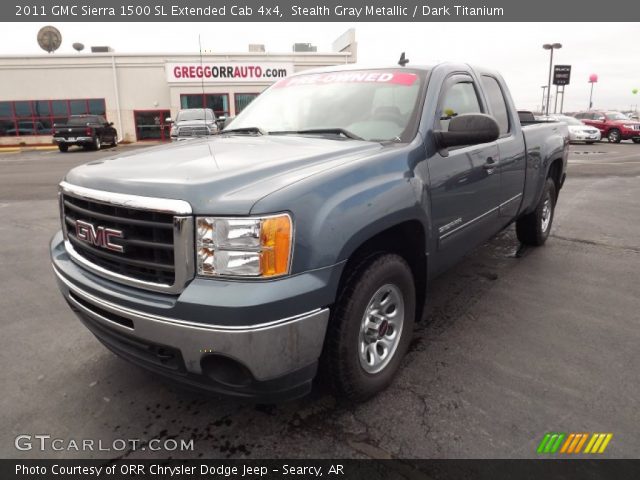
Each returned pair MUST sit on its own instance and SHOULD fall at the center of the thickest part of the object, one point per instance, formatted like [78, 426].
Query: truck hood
[219, 175]
[626, 122]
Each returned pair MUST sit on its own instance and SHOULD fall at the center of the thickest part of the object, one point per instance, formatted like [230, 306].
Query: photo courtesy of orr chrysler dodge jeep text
[300, 240]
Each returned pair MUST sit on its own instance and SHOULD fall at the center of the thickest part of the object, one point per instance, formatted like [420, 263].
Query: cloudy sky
[514, 49]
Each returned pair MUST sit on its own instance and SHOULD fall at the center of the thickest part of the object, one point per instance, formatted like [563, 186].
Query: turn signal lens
[244, 247]
[275, 240]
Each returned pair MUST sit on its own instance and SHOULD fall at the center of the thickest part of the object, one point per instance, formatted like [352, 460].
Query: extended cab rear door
[511, 146]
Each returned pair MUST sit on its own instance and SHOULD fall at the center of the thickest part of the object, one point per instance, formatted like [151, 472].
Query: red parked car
[615, 126]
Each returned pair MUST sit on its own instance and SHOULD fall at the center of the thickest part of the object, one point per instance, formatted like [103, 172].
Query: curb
[32, 148]
[27, 149]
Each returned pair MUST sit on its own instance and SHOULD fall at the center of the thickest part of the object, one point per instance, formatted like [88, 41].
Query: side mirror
[168, 120]
[111, 124]
[468, 129]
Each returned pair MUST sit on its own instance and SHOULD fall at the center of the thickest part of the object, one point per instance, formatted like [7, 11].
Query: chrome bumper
[268, 350]
[77, 140]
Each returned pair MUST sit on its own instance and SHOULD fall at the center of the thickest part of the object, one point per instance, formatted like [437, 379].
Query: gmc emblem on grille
[98, 236]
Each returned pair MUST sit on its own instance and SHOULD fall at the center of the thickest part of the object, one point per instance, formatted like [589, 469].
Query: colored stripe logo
[573, 443]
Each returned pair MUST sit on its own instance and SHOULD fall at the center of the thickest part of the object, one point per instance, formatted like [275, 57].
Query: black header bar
[318, 11]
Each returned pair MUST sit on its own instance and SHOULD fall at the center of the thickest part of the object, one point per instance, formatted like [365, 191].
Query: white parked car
[578, 131]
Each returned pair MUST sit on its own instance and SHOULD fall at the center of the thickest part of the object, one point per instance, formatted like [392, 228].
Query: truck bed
[543, 140]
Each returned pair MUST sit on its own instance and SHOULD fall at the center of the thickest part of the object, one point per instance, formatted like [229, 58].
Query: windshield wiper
[256, 130]
[334, 131]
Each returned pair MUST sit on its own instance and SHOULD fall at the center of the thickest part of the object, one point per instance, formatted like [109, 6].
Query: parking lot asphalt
[511, 347]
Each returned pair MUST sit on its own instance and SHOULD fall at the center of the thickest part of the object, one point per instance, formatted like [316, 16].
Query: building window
[218, 102]
[243, 99]
[36, 117]
[151, 125]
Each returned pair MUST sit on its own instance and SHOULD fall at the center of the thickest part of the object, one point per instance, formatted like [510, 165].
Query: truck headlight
[244, 247]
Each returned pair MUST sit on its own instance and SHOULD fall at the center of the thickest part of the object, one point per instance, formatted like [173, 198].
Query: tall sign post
[593, 78]
[561, 78]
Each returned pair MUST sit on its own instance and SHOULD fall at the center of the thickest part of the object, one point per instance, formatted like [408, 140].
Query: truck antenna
[202, 80]
[202, 77]
[204, 105]
[403, 60]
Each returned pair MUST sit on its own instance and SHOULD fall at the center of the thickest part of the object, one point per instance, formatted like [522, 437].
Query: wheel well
[555, 173]
[406, 239]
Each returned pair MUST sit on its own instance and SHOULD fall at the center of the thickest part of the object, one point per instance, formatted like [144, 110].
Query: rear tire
[97, 144]
[614, 136]
[63, 148]
[370, 327]
[533, 228]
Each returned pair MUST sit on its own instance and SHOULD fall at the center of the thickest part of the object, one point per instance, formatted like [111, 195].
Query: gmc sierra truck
[300, 240]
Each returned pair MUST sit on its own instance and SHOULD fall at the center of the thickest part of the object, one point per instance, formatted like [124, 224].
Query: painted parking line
[587, 162]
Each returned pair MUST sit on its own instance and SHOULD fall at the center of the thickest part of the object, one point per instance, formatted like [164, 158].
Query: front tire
[533, 228]
[636, 140]
[614, 136]
[370, 327]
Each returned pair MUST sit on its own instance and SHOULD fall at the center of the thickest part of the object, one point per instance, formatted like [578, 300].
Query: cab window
[458, 98]
[497, 103]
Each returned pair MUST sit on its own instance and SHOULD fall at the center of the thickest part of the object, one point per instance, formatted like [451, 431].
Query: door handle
[490, 164]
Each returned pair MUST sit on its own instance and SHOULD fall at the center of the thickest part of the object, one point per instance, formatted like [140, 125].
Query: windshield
[571, 121]
[81, 120]
[617, 116]
[197, 114]
[376, 105]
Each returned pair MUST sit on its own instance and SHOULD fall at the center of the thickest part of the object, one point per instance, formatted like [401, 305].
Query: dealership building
[138, 92]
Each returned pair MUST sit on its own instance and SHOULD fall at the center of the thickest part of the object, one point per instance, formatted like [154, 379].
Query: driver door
[465, 181]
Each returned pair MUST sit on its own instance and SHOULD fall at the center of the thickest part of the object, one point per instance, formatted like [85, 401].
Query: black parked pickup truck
[88, 131]
[303, 236]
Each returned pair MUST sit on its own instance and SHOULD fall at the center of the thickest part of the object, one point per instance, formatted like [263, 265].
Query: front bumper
[584, 137]
[200, 338]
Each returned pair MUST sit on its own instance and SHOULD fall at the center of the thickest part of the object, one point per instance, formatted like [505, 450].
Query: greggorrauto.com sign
[215, 72]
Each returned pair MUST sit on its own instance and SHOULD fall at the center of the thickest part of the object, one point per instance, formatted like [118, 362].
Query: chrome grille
[193, 131]
[156, 244]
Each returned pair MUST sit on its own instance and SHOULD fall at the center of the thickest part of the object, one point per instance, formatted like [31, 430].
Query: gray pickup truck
[193, 122]
[300, 240]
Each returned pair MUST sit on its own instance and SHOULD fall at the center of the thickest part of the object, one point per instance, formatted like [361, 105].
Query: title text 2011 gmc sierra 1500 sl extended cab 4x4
[303, 236]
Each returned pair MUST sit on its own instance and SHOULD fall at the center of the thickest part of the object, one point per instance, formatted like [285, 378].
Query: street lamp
[551, 47]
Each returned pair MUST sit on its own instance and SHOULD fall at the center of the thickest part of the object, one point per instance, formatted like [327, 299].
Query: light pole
[544, 87]
[551, 47]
